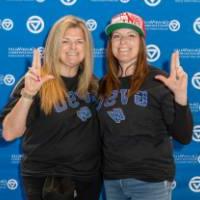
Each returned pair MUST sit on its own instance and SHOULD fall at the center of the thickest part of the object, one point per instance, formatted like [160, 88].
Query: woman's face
[125, 45]
[72, 50]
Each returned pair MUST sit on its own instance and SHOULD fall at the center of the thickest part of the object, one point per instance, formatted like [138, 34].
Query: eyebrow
[126, 32]
[77, 38]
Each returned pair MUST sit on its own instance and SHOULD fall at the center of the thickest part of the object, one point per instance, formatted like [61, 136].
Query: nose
[73, 45]
[123, 39]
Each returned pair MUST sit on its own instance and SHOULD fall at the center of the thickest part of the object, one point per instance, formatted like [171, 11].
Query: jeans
[133, 189]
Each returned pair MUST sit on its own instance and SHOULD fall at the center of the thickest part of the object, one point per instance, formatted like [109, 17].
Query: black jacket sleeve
[177, 118]
[14, 97]
[182, 127]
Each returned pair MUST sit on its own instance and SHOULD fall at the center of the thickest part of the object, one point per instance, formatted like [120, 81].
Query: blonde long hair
[54, 91]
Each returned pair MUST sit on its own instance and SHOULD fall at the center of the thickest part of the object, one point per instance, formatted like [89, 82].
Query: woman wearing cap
[54, 109]
[139, 110]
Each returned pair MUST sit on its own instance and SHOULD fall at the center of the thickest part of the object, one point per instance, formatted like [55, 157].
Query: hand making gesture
[177, 80]
[33, 78]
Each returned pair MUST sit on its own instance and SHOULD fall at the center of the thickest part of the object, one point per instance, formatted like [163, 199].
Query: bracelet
[26, 95]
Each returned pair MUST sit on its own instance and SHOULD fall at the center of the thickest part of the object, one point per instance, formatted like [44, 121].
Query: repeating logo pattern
[35, 24]
[153, 52]
[12, 184]
[40, 1]
[7, 24]
[174, 25]
[124, 1]
[167, 30]
[196, 25]
[186, 159]
[152, 3]
[68, 2]
[194, 184]
[9, 79]
[91, 24]
[196, 133]
[15, 158]
[173, 186]
[198, 159]
[196, 80]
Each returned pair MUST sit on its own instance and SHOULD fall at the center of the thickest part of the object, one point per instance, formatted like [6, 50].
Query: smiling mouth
[72, 53]
[124, 50]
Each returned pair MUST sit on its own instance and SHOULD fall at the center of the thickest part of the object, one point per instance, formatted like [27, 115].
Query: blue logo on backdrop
[194, 184]
[40, 1]
[7, 24]
[9, 79]
[124, 1]
[91, 24]
[174, 25]
[116, 115]
[12, 184]
[35, 24]
[153, 53]
[173, 186]
[196, 80]
[141, 98]
[196, 133]
[152, 2]
[68, 2]
[196, 25]
[84, 113]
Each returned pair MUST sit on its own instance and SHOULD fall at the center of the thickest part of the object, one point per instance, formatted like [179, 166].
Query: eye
[116, 36]
[131, 35]
[80, 41]
[65, 41]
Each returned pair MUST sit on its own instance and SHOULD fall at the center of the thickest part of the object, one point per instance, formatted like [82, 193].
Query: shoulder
[153, 71]
[150, 80]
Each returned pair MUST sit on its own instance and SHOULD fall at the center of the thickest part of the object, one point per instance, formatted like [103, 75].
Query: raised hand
[177, 80]
[33, 78]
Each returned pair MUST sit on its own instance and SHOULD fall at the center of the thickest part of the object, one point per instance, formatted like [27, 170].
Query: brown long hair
[54, 91]
[111, 80]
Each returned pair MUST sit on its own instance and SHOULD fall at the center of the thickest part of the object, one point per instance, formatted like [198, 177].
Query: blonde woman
[53, 108]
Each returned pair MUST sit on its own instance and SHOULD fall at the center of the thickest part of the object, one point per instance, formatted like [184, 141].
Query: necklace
[130, 66]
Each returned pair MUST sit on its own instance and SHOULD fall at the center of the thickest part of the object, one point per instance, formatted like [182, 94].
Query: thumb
[161, 78]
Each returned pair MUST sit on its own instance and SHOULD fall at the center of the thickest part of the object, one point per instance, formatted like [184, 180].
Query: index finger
[36, 63]
[177, 59]
[174, 62]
